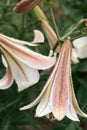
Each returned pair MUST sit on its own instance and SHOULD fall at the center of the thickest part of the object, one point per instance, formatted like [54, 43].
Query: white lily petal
[44, 106]
[82, 53]
[27, 56]
[32, 75]
[7, 80]
[4, 61]
[23, 74]
[39, 37]
[74, 56]
[80, 45]
[75, 103]
[71, 113]
[80, 42]
[45, 111]
[37, 100]
[16, 41]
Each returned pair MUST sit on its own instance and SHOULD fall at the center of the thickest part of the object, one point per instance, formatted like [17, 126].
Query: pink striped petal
[75, 103]
[39, 37]
[60, 89]
[27, 56]
[71, 113]
[7, 80]
[44, 106]
[23, 74]
[38, 99]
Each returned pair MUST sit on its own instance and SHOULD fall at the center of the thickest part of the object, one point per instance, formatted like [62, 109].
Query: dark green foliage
[21, 26]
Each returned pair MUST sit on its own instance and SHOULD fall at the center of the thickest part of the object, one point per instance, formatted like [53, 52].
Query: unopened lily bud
[39, 13]
[50, 34]
[25, 5]
[48, 30]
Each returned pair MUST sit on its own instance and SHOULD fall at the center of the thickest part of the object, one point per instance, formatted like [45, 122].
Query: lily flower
[57, 99]
[25, 5]
[22, 64]
[80, 46]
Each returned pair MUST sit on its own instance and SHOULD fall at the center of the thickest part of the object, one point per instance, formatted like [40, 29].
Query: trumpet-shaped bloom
[25, 5]
[22, 64]
[80, 46]
[57, 98]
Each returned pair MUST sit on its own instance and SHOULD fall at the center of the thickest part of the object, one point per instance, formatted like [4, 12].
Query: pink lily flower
[25, 5]
[22, 64]
[57, 98]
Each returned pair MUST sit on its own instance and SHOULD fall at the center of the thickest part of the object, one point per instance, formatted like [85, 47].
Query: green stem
[10, 104]
[55, 25]
[8, 2]
[24, 21]
[73, 29]
[56, 45]
[82, 35]
[68, 34]
[6, 122]
[39, 13]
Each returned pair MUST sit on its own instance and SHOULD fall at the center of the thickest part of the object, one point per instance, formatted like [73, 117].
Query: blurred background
[21, 26]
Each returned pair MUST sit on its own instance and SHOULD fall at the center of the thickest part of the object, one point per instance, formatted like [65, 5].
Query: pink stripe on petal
[38, 37]
[28, 56]
[61, 84]
[23, 74]
[7, 80]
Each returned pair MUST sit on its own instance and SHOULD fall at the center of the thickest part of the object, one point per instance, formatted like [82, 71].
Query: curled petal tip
[24, 108]
[21, 109]
[39, 37]
[27, 106]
